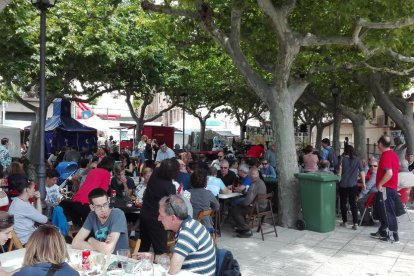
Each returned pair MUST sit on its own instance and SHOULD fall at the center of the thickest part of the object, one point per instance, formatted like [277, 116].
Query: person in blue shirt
[46, 251]
[266, 170]
[244, 179]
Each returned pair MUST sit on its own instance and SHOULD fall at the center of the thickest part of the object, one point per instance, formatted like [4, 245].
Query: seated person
[122, 184]
[53, 196]
[6, 229]
[194, 249]
[46, 254]
[244, 179]
[215, 184]
[228, 177]
[201, 198]
[183, 177]
[266, 170]
[140, 189]
[324, 167]
[26, 214]
[105, 229]
[16, 173]
[370, 187]
[239, 212]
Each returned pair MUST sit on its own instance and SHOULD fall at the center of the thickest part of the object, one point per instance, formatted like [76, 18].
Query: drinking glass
[123, 253]
[164, 262]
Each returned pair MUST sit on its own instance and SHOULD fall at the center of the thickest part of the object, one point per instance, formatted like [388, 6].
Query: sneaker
[355, 226]
[245, 234]
[378, 235]
[344, 224]
[384, 239]
[396, 237]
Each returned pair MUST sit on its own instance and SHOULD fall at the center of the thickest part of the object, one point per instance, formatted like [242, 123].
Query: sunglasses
[9, 219]
[373, 165]
[168, 202]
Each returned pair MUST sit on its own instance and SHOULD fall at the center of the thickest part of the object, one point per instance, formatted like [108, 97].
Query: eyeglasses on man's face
[102, 206]
[224, 168]
[371, 165]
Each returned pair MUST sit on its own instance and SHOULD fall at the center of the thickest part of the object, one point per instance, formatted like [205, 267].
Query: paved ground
[341, 252]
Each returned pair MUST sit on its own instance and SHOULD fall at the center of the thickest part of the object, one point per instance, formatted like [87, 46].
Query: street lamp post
[43, 6]
[183, 99]
[336, 91]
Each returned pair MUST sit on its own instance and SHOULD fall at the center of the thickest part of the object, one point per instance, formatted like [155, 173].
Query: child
[53, 195]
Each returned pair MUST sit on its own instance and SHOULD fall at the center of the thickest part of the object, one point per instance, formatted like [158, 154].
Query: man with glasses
[105, 229]
[370, 187]
[194, 249]
[216, 162]
[229, 178]
[266, 170]
[164, 153]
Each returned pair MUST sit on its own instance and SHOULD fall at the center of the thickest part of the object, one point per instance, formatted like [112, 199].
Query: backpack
[226, 265]
[333, 159]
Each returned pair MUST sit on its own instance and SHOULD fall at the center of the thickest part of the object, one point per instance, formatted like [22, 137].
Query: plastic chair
[367, 205]
[261, 215]
[405, 196]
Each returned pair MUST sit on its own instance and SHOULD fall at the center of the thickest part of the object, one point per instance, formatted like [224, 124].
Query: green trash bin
[318, 194]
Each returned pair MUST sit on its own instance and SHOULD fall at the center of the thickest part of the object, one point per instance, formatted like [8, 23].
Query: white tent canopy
[98, 123]
[13, 134]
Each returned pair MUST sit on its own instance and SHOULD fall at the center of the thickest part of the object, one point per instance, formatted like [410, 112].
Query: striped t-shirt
[194, 243]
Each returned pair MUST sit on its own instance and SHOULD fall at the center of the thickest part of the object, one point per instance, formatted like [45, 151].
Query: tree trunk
[319, 133]
[360, 141]
[336, 143]
[138, 130]
[242, 133]
[282, 122]
[202, 133]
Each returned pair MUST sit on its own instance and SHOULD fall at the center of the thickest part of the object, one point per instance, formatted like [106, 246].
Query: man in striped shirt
[194, 249]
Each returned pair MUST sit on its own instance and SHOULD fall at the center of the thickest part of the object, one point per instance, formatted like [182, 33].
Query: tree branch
[174, 104]
[25, 103]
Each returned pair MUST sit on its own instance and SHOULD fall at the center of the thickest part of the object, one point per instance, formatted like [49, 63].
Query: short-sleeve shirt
[229, 179]
[53, 195]
[116, 222]
[388, 161]
[194, 243]
[119, 188]
[96, 178]
[214, 185]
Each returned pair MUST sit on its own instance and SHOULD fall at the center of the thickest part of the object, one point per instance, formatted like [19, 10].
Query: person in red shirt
[387, 183]
[256, 151]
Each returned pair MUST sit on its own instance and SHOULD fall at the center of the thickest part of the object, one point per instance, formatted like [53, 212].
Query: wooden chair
[14, 243]
[208, 213]
[260, 216]
[134, 245]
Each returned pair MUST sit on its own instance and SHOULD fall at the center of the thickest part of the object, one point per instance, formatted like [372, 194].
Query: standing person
[46, 254]
[164, 153]
[101, 141]
[400, 148]
[310, 160]
[5, 158]
[6, 229]
[105, 230]
[350, 167]
[159, 185]
[26, 214]
[387, 183]
[141, 147]
[155, 147]
[270, 155]
[329, 154]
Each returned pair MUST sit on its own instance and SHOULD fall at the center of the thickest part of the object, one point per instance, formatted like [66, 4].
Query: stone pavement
[340, 252]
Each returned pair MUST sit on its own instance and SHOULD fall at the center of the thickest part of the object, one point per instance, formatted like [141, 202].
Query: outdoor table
[229, 195]
[122, 204]
[224, 198]
[13, 260]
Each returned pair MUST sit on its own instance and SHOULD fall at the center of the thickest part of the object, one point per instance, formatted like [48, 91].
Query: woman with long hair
[159, 185]
[26, 214]
[46, 253]
[6, 229]
[15, 173]
[351, 167]
[128, 164]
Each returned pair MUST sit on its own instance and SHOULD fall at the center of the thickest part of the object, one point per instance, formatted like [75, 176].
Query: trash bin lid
[318, 176]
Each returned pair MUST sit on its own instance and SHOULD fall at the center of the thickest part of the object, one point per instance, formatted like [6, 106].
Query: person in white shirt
[164, 153]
